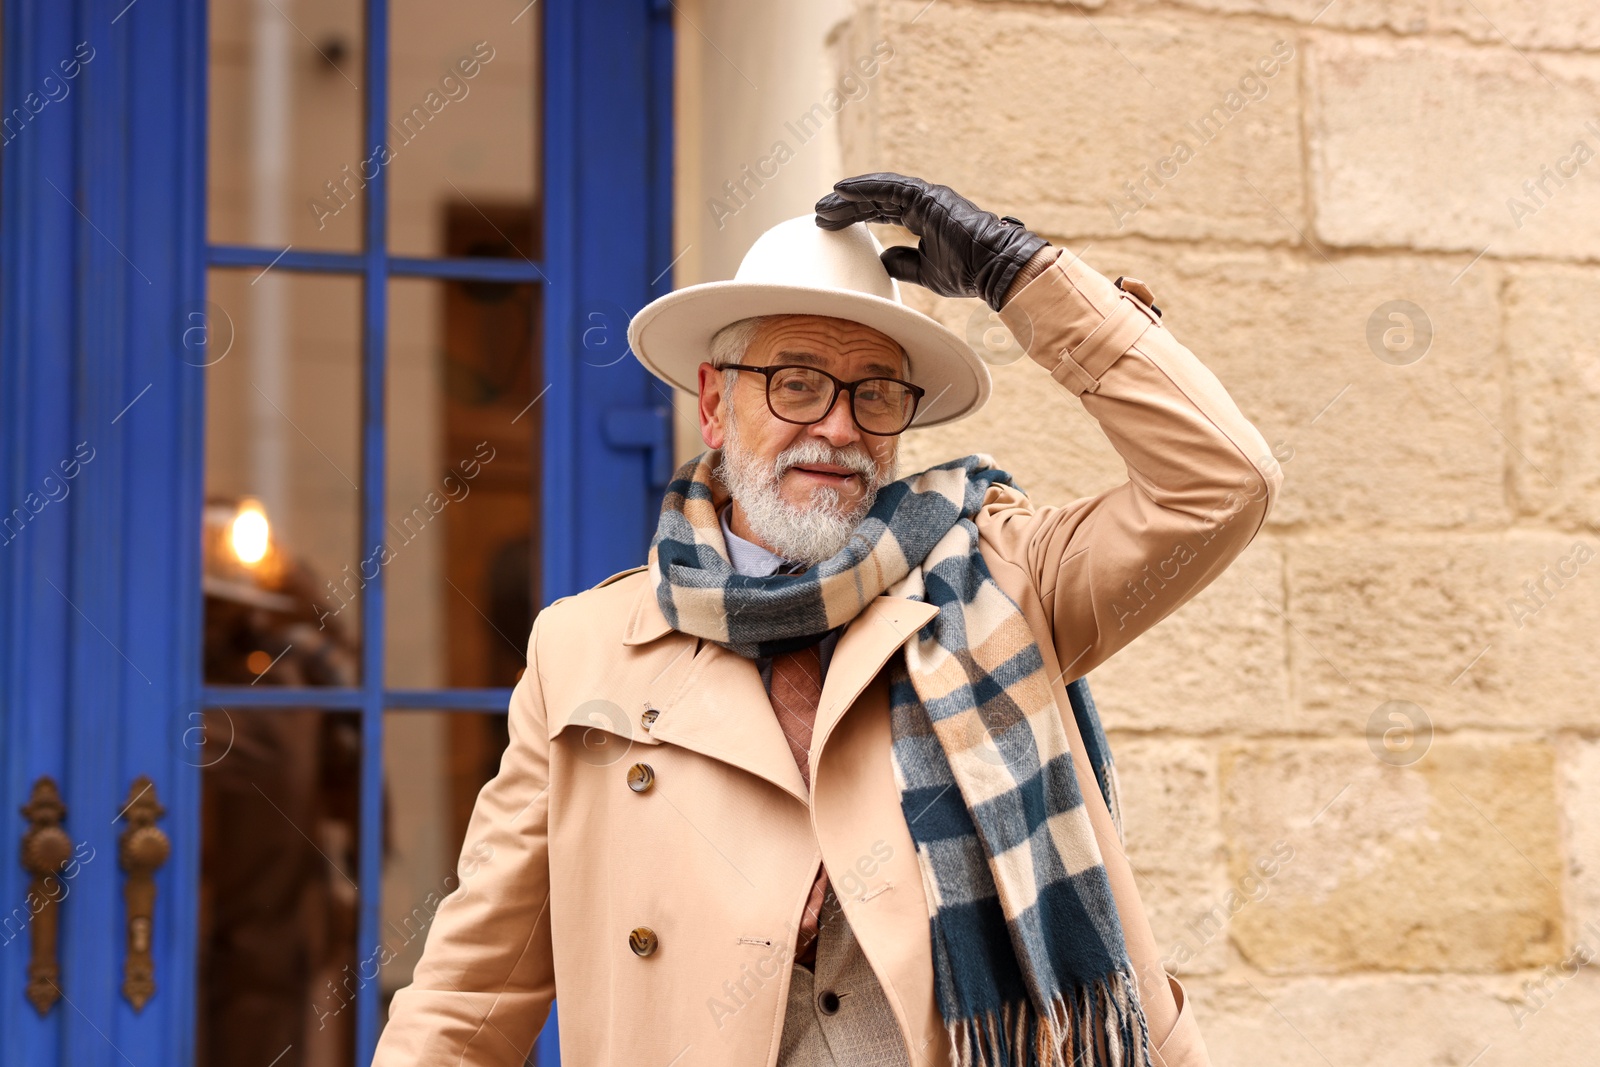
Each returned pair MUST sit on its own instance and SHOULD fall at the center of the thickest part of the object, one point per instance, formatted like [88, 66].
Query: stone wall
[1362, 770]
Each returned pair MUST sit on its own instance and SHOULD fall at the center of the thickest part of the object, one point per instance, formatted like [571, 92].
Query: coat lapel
[721, 710]
[864, 647]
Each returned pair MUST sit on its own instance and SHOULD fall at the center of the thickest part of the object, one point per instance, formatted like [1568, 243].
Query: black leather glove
[963, 250]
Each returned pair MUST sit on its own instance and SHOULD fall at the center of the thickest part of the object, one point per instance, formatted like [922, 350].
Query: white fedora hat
[798, 268]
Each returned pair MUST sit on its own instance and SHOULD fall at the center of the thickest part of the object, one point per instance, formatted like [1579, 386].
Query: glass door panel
[463, 452]
[284, 143]
[445, 757]
[278, 970]
[371, 345]
[464, 128]
[389, 367]
[283, 566]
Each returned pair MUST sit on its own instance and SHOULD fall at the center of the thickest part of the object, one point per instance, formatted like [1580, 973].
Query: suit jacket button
[648, 719]
[640, 777]
[828, 1002]
[642, 941]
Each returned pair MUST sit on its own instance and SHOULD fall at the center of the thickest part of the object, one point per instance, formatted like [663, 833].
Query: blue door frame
[103, 260]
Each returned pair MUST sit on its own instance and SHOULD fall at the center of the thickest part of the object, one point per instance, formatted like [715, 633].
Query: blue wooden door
[112, 341]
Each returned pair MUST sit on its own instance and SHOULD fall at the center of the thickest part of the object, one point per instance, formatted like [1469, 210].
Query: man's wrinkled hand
[962, 250]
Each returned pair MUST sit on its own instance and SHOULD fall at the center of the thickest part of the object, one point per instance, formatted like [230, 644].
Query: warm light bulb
[248, 534]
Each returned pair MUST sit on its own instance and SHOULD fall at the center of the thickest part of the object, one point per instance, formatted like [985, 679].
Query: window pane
[278, 893]
[464, 435]
[283, 567]
[443, 758]
[463, 123]
[286, 161]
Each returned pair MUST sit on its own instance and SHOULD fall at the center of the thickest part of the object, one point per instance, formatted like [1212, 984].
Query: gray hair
[731, 343]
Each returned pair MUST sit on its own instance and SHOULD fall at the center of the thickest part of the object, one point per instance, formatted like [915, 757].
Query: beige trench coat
[564, 861]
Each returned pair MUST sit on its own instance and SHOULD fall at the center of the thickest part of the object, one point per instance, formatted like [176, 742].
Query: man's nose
[837, 427]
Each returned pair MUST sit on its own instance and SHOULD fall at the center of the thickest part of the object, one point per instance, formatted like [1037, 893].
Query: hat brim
[672, 335]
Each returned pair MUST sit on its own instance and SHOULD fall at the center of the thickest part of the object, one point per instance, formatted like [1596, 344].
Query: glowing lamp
[248, 533]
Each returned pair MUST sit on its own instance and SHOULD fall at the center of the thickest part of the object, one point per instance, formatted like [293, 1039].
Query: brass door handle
[142, 849]
[46, 849]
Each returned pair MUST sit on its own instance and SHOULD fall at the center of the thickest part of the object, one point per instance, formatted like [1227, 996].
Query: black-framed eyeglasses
[804, 395]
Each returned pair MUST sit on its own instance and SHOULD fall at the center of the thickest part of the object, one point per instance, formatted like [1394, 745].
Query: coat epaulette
[620, 574]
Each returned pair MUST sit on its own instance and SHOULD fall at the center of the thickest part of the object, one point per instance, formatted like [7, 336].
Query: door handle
[142, 849]
[649, 428]
[46, 849]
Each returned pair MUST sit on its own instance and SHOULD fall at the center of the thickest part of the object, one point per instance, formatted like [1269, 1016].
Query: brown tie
[796, 691]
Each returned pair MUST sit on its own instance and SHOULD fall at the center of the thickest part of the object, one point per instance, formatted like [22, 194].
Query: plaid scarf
[1030, 968]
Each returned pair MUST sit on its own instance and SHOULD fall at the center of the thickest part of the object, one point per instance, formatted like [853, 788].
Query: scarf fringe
[1097, 1025]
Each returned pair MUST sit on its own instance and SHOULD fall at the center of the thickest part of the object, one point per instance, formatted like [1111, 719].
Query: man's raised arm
[1201, 479]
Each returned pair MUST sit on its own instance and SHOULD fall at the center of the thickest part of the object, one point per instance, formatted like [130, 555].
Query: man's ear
[710, 407]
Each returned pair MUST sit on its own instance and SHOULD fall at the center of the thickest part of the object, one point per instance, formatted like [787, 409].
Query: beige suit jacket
[564, 861]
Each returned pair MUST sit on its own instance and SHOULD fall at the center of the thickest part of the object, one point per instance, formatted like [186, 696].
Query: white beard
[806, 535]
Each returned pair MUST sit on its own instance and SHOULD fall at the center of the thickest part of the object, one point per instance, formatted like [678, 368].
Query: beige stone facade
[1362, 770]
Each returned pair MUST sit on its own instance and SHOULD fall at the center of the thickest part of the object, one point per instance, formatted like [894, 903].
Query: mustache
[807, 453]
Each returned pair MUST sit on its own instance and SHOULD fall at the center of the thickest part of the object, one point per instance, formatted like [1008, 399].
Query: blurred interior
[284, 566]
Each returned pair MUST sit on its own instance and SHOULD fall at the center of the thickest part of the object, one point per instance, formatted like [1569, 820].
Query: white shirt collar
[747, 557]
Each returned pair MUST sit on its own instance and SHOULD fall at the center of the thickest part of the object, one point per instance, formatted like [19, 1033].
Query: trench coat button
[641, 777]
[828, 1002]
[642, 941]
[648, 719]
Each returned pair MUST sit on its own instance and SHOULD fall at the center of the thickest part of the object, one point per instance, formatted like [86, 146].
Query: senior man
[822, 783]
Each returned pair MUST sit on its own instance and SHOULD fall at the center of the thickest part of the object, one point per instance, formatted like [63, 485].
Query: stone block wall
[1361, 771]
